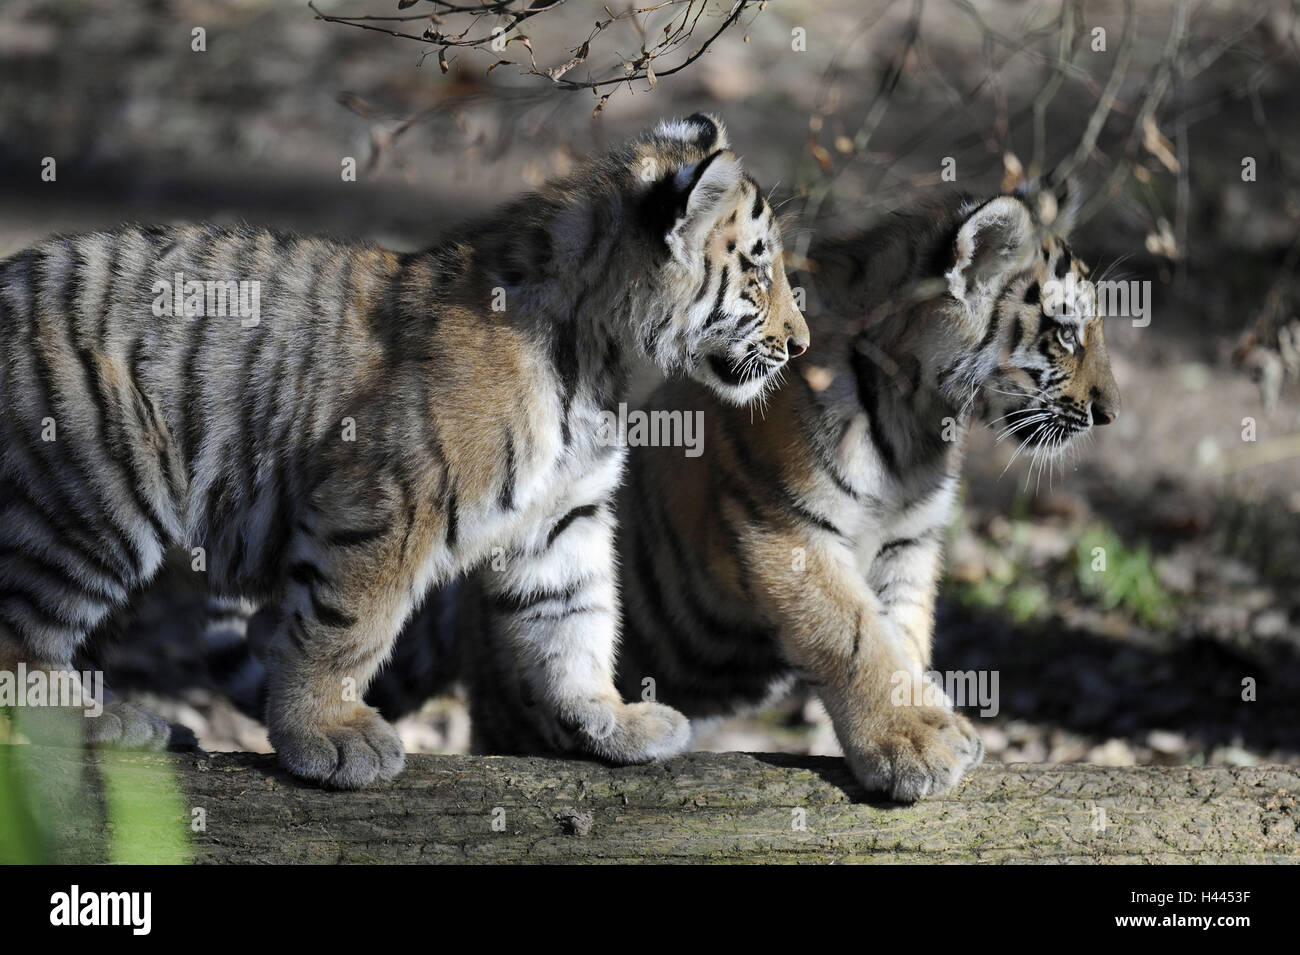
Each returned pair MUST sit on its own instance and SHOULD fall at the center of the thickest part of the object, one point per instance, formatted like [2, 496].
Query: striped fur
[389, 422]
[805, 544]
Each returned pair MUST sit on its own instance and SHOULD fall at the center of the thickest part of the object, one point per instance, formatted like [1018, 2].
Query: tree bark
[733, 807]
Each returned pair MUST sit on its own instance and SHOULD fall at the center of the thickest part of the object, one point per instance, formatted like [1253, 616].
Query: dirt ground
[1186, 651]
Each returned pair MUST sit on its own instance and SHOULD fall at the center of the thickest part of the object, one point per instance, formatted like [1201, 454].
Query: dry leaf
[1162, 242]
[559, 71]
[1013, 173]
[820, 154]
[1047, 208]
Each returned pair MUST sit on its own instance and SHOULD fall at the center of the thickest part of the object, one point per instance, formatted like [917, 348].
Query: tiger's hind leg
[57, 691]
[90, 488]
[49, 601]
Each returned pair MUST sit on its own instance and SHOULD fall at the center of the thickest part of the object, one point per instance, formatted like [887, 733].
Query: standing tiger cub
[385, 423]
[806, 542]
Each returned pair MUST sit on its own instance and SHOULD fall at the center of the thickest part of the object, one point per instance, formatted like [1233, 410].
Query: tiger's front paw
[919, 751]
[635, 732]
[352, 754]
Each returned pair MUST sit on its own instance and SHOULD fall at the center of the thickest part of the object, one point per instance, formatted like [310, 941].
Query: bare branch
[491, 26]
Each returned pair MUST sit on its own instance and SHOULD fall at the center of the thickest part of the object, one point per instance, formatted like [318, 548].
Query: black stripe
[509, 603]
[409, 506]
[507, 497]
[330, 616]
[337, 311]
[831, 469]
[63, 532]
[452, 521]
[106, 301]
[46, 613]
[117, 446]
[868, 397]
[717, 314]
[897, 544]
[564, 356]
[355, 536]
[248, 490]
[703, 290]
[192, 426]
[564, 614]
[307, 573]
[774, 487]
[1063, 263]
[811, 517]
[56, 575]
[1017, 333]
[584, 510]
[995, 323]
[742, 331]
[101, 518]
[700, 169]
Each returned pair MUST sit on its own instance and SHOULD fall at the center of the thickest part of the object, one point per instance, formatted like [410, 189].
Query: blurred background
[1178, 119]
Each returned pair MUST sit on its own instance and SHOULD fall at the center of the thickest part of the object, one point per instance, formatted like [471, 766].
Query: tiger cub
[806, 541]
[382, 423]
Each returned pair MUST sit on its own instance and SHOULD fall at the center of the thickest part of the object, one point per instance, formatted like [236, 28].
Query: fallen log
[703, 807]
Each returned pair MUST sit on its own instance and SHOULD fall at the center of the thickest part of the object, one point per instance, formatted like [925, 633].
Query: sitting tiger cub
[806, 541]
[381, 425]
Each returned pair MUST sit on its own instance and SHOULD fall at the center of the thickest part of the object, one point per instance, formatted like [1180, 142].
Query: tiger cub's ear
[701, 129]
[995, 243]
[704, 191]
